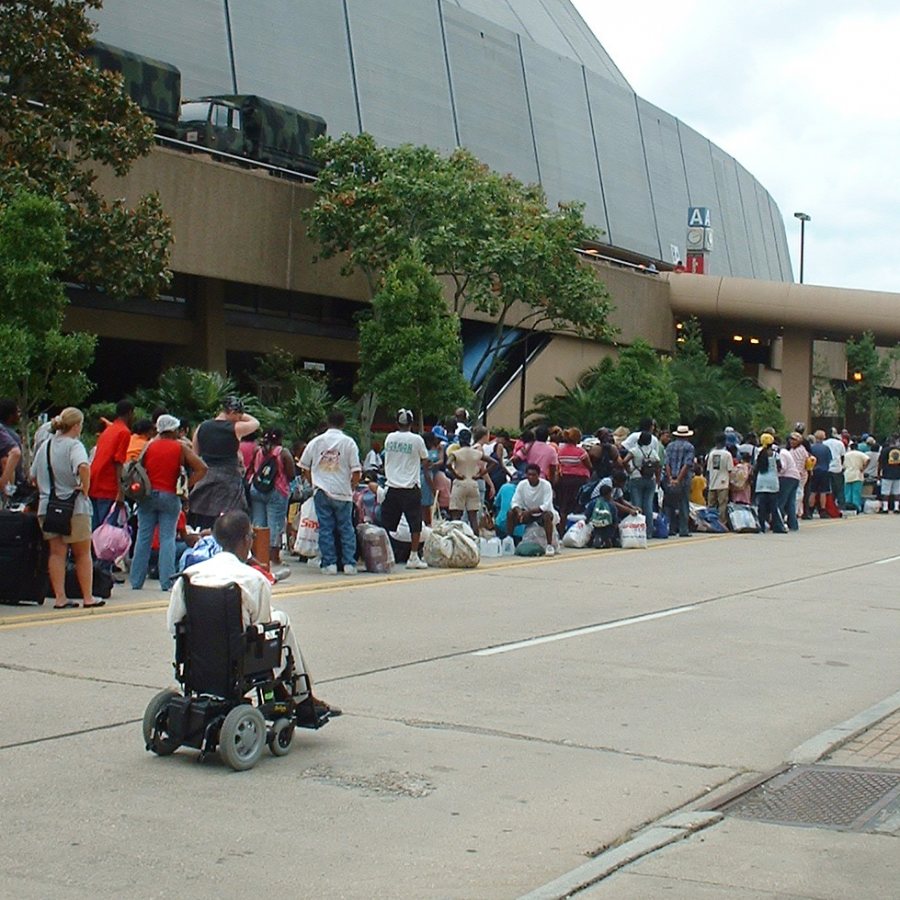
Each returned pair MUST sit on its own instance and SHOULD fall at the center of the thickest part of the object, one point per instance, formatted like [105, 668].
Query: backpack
[264, 477]
[134, 480]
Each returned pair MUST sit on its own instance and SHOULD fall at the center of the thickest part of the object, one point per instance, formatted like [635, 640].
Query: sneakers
[329, 570]
[550, 551]
[349, 569]
[416, 562]
[280, 572]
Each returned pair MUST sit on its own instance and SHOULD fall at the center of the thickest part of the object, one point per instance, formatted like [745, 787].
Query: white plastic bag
[871, 505]
[451, 545]
[578, 534]
[633, 531]
[307, 540]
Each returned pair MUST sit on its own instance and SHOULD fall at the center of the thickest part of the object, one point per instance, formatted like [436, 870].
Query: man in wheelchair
[232, 649]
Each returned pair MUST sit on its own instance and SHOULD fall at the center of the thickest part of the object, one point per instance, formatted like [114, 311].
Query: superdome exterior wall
[524, 85]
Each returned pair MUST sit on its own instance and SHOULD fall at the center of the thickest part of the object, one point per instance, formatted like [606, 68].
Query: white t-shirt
[719, 463]
[331, 458]
[67, 454]
[855, 464]
[539, 496]
[403, 455]
[837, 448]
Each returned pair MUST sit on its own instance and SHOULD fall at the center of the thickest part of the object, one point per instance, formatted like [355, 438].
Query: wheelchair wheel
[161, 744]
[242, 737]
[282, 735]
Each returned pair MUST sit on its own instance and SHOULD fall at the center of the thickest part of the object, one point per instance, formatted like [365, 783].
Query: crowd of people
[456, 470]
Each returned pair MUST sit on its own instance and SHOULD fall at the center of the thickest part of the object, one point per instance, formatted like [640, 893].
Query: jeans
[101, 511]
[767, 504]
[787, 501]
[158, 508]
[682, 510]
[642, 491]
[333, 513]
[269, 511]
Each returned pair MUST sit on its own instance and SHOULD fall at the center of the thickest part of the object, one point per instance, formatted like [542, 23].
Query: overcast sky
[803, 93]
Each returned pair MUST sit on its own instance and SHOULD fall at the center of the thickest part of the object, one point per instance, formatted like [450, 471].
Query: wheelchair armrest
[264, 631]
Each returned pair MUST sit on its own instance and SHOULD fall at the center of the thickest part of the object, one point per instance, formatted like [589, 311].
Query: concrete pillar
[208, 351]
[796, 375]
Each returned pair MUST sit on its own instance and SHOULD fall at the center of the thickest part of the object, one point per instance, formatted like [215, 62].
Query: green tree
[492, 239]
[41, 365]
[616, 392]
[192, 394]
[60, 119]
[870, 373]
[409, 345]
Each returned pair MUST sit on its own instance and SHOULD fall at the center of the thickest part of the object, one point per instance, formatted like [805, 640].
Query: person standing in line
[110, 454]
[789, 478]
[679, 469]
[889, 474]
[404, 453]
[269, 475]
[64, 452]
[11, 472]
[330, 462]
[164, 459]
[855, 464]
[216, 442]
[836, 468]
[574, 472]
[819, 477]
[719, 463]
[466, 463]
[766, 471]
[642, 463]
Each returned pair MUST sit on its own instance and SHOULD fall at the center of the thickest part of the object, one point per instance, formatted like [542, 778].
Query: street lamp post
[804, 218]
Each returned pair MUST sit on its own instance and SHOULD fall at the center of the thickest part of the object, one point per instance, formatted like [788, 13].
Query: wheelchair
[231, 700]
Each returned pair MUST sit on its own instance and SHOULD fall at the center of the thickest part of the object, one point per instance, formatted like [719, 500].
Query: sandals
[69, 604]
[94, 605]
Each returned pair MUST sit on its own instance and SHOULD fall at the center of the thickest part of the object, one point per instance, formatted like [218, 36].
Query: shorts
[81, 530]
[820, 481]
[402, 501]
[465, 495]
[890, 487]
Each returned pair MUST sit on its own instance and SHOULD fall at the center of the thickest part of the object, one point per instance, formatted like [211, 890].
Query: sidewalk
[775, 837]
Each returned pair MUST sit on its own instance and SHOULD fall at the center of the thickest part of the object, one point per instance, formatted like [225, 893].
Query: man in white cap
[403, 454]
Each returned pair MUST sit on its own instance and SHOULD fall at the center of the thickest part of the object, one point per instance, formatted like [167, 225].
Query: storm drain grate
[827, 796]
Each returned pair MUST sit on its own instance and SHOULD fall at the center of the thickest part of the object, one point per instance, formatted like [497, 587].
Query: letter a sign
[698, 217]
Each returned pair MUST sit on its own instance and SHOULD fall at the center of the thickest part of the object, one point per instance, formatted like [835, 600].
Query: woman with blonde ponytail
[64, 451]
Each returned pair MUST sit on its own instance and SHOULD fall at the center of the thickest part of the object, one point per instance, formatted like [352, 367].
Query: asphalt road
[501, 724]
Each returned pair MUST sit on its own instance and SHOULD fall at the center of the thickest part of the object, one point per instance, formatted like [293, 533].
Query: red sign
[695, 263]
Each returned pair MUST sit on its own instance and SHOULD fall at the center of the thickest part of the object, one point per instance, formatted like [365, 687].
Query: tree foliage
[409, 344]
[616, 392]
[41, 365]
[490, 237]
[868, 391]
[60, 119]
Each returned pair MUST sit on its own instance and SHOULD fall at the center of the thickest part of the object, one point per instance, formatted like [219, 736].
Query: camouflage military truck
[154, 85]
[251, 126]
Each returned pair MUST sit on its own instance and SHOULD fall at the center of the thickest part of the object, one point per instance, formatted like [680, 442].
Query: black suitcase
[23, 558]
[101, 587]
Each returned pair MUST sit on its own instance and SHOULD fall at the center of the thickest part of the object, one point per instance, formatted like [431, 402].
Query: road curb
[829, 740]
[671, 829]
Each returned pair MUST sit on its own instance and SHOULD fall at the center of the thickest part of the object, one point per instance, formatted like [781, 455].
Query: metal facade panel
[703, 191]
[489, 89]
[732, 213]
[750, 203]
[497, 11]
[668, 186]
[559, 110]
[401, 72]
[584, 42]
[622, 166]
[296, 52]
[192, 36]
[784, 253]
[773, 271]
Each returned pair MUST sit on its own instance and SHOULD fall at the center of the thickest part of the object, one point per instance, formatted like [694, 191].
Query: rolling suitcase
[23, 558]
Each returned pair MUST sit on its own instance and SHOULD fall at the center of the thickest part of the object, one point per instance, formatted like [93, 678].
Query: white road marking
[881, 562]
[577, 632]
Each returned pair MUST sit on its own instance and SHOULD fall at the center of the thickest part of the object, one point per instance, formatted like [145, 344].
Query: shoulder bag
[58, 518]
